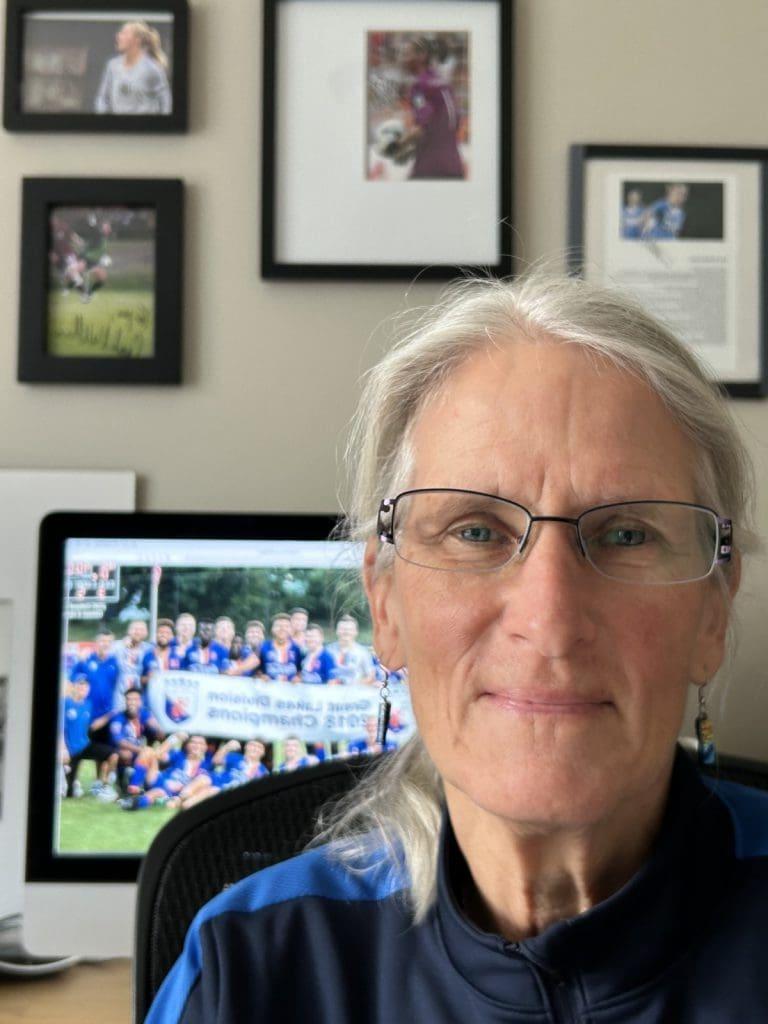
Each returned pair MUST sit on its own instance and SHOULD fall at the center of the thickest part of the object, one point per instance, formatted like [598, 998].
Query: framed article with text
[684, 229]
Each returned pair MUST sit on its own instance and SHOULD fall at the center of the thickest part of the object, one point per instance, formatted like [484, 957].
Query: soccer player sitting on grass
[293, 756]
[169, 786]
[234, 767]
[370, 744]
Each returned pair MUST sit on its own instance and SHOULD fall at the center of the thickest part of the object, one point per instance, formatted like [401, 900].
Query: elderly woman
[554, 502]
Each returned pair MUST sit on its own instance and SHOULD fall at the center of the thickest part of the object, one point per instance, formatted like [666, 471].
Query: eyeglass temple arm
[725, 540]
[384, 530]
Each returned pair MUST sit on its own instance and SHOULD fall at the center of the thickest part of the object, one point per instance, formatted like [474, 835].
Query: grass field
[114, 324]
[88, 826]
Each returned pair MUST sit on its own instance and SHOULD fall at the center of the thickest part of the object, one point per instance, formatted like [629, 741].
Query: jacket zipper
[554, 984]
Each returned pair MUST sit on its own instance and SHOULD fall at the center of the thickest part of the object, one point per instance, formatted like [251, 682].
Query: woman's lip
[547, 705]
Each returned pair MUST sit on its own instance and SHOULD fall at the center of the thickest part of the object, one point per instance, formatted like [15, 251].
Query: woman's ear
[378, 582]
[714, 626]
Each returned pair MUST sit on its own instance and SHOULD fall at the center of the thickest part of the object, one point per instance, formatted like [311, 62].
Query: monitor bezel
[42, 863]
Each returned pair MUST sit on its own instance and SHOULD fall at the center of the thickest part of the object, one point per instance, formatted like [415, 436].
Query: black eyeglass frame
[723, 545]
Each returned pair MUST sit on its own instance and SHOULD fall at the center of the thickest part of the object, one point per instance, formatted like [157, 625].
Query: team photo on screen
[182, 680]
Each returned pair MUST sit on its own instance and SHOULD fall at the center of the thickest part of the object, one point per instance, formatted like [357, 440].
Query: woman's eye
[475, 533]
[624, 536]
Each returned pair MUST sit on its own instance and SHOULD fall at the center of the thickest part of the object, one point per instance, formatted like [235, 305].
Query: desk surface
[93, 993]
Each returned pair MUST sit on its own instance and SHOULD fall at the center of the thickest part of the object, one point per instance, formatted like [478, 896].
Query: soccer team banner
[234, 707]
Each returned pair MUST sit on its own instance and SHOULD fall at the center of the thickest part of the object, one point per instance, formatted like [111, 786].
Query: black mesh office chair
[225, 838]
[216, 843]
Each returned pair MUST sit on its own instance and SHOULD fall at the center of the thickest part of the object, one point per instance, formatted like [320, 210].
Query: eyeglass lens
[654, 542]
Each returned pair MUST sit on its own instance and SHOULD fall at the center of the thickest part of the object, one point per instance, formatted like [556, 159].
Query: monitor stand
[15, 960]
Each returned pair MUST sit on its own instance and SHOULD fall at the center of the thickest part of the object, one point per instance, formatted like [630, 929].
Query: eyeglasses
[633, 541]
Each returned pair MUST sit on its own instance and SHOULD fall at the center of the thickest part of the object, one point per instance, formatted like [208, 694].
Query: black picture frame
[499, 224]
[719, 169]
[39, 197]
[16, 119]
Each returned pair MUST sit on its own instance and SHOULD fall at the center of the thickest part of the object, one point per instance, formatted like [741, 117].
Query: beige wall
[270, 369]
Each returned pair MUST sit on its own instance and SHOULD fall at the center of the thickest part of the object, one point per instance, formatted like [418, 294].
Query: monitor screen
[179, 656]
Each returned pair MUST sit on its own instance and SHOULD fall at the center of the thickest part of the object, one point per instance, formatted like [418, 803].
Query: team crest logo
[181, 699]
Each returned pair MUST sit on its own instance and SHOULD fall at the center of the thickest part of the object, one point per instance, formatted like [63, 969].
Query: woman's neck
[521, 880]
[132, 56]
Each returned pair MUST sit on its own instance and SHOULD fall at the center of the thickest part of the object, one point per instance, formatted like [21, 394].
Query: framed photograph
[101, 281]
[95, 66]
[685, 229]
[387, 138]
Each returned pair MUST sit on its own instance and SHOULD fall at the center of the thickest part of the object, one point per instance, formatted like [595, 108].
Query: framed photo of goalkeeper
[101, 285]
[96, 66]
[387, 138]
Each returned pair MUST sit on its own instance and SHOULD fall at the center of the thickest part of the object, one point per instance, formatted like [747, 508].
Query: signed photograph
[101, 282]
[387, 141]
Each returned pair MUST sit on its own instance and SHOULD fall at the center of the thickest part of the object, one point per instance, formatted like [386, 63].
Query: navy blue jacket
[685, 941]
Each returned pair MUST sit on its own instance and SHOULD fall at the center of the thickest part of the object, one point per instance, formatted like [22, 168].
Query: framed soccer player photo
[387, 149]
[96, 66]
[101, 281]
[685, 229]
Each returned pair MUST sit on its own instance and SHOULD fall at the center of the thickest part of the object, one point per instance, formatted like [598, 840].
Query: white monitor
[128, 731]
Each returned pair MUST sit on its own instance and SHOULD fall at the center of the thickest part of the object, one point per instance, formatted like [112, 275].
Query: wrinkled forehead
[531, 417]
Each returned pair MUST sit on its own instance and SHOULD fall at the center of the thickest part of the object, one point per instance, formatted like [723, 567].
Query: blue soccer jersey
[303, 762]
[162, 659]
[281, 664]
[237, 771]
[668, 220]
[246, 652]
[361, 747]
[219, 656]
[352, 664]
[632, 221]
[132, 729]
[102, 675]
[318, 667]
[213, 658]
[179, 774]
[77, 721]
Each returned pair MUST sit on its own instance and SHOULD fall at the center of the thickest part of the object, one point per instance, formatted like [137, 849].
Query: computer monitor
[176, 656]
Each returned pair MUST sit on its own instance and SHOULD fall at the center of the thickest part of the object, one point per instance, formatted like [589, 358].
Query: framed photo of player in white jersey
[387, 138]
[101, 281]
[685, 229]
[96, 66]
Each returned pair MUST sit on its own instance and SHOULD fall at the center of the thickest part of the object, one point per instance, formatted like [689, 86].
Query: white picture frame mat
[325, 210]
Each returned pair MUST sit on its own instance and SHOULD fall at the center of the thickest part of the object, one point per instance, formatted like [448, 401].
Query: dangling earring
[705, 735]
[385, 707]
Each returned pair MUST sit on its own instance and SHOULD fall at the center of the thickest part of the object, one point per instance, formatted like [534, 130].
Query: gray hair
[396, 808]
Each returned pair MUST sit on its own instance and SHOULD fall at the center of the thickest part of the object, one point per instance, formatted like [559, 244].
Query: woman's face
[544, 692]
[125, 39]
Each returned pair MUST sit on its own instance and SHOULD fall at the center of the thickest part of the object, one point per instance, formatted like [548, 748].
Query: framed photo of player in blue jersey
[101, 281]
[96, 66]
[685, 229]
[387, 149]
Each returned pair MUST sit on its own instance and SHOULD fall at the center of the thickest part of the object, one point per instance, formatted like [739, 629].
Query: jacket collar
[619, 944]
